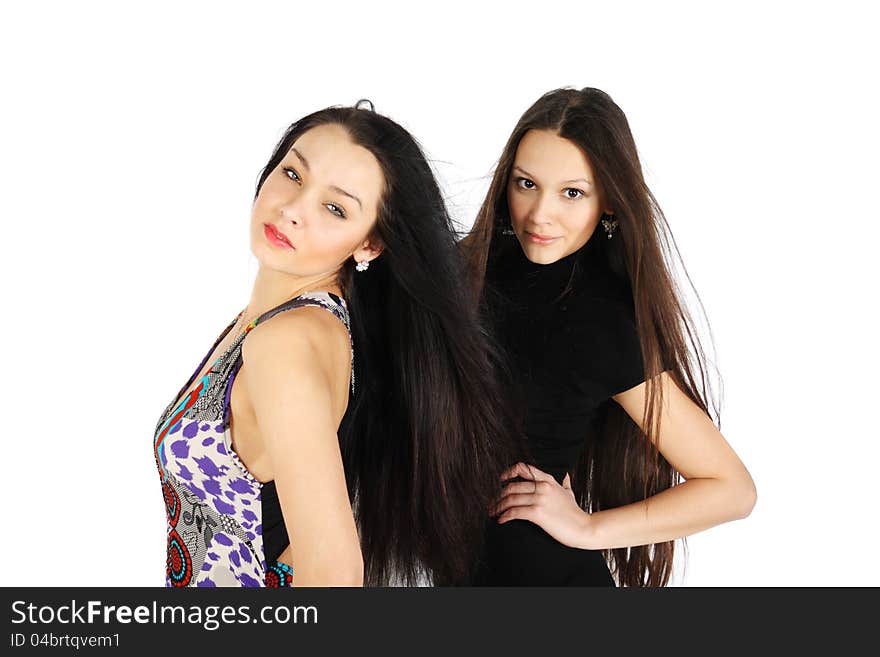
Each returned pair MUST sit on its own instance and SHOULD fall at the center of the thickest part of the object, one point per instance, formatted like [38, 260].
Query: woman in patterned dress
[360, 445]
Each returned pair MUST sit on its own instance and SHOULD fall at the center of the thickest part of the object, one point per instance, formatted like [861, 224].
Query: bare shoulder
[308, 338]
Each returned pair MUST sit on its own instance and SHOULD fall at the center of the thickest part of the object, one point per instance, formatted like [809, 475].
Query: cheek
[332, 242]
[256, 212]
[265, 199]
[518, 206]
[583, 217]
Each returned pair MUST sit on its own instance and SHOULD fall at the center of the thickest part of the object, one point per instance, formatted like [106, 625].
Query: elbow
[352, 574]
[346, 572]
[338, 572]
[746, 495]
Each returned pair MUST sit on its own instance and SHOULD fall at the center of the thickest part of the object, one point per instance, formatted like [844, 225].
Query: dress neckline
[223, 356]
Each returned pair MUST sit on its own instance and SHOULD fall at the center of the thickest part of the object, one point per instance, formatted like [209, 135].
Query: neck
[519, 278]
[272, 288]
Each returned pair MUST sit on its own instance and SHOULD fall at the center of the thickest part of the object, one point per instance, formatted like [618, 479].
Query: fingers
[520, 487]
[517, 493]
[508, 501]
[518, 513]
[526, 471]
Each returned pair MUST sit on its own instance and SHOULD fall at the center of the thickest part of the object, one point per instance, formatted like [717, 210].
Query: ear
[369, 249]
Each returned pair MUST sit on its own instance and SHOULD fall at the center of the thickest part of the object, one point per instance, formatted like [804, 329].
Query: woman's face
[318, 206]
[554, 199]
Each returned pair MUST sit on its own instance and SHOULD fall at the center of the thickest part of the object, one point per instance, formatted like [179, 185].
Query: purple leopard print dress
[224, 527]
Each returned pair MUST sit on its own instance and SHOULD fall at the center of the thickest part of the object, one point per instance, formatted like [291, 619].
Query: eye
[572, 193]
[524, 183]
[338, 210]
[293, 175]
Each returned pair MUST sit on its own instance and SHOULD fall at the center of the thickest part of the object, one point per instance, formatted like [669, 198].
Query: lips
[541, 239]
[275, 236]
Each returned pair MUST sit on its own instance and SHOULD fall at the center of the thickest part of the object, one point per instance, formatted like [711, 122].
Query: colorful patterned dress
[224, 527]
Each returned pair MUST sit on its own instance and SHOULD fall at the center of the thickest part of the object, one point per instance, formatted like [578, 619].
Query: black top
[568, 329]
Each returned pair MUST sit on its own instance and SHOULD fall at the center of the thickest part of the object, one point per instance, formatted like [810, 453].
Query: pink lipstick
[540, 239]
[276, 238]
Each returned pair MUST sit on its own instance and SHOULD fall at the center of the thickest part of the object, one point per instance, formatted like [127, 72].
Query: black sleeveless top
[568, 330]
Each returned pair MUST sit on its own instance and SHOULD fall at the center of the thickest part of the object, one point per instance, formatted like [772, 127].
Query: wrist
[589, 532]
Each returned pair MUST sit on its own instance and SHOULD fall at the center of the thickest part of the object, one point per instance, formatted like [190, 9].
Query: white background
[130, 142]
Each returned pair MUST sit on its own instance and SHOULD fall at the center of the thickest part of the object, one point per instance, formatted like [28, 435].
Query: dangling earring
[507, 230]
[609, 223]
[362, 265]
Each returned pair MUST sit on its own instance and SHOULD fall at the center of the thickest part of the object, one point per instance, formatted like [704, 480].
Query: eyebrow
[573, 180]
[305, 164]
[302, 159]
[348, 194]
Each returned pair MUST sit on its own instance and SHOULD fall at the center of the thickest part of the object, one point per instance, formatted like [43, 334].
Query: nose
[541, 211]
[291, 212]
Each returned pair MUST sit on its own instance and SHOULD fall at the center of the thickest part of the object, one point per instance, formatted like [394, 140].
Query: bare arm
[718, 488]
[298, 384]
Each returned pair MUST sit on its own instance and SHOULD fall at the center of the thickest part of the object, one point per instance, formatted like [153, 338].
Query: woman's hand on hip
[544, 502]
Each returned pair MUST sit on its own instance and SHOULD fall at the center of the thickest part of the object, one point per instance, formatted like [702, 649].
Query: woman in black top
[569, 258]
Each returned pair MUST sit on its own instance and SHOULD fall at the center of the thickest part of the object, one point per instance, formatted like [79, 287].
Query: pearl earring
[362, 265]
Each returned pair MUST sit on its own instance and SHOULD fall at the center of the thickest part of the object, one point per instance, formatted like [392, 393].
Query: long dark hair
[425, 438]
[618, 466]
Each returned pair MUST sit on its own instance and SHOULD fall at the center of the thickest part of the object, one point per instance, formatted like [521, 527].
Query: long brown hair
[618, 466]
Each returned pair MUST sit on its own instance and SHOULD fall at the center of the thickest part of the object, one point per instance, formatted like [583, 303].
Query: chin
[542, 256]
[268, 259]
[259, 252]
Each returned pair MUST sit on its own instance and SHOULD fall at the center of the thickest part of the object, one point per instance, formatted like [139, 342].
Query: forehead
[335, 160]
[544, 153]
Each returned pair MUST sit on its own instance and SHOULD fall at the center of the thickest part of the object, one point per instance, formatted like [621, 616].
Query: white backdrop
[130, 142]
